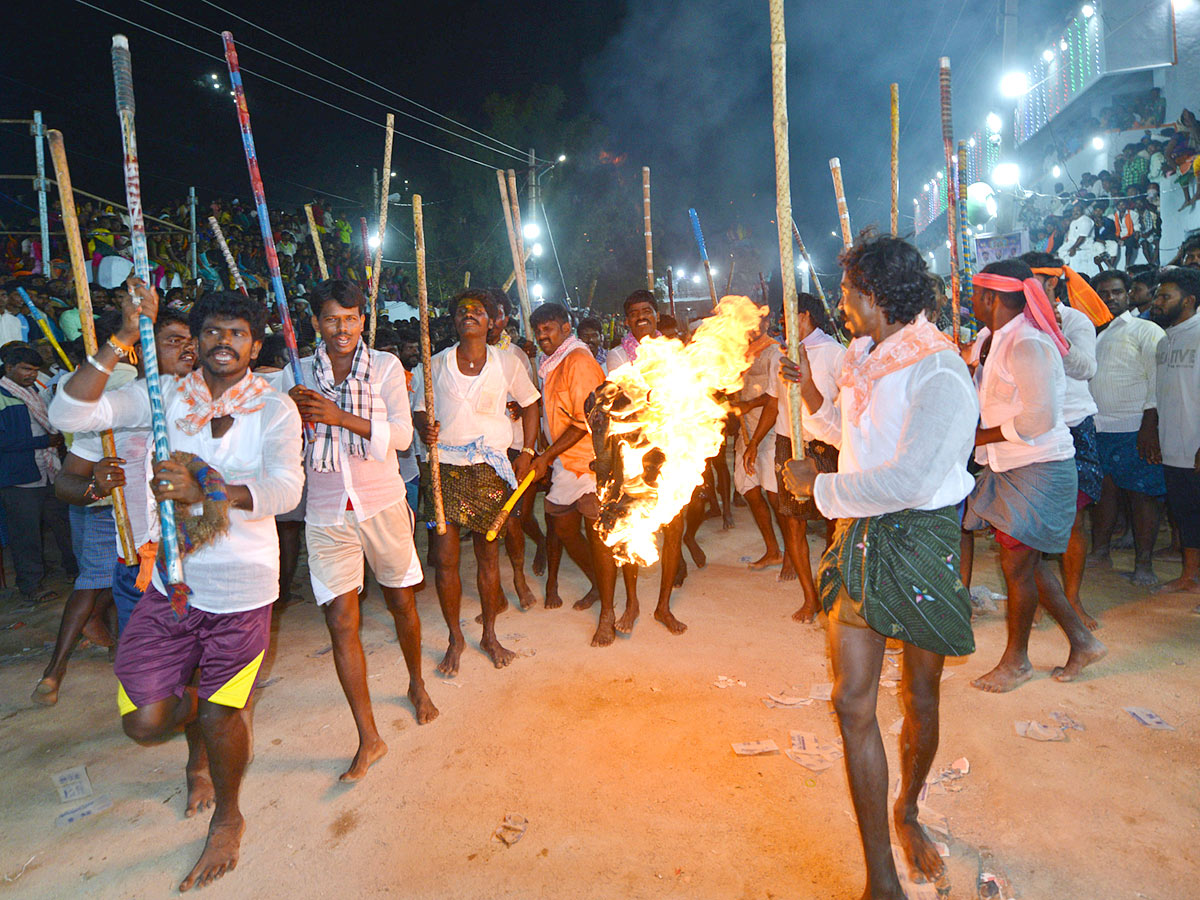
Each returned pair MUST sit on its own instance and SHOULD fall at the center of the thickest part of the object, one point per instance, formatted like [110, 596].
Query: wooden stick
[43, 323]
[234, 272]
[646, 228]
[762, 286]
[699, 235]
[512, 244]
[951, 193]
[87, 322]
[839, 193]
[386, 185]
[729, 280]
[316, 239]
[522, 275]
[783, 214]
[264, 216]
[123, 81]
[435, 473]
[498, 522]
[467, 279]
[671, 291]
[896, 159]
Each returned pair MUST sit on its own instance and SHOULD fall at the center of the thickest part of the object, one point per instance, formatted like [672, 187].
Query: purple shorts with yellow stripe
[158, 653]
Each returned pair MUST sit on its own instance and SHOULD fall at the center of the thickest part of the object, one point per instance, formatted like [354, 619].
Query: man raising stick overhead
[472, 383]
[250, 434]
[569, 374]
[357, 501]
[905, 420]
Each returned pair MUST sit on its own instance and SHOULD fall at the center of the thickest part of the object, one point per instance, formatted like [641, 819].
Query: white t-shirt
[1179, 394]
[472, 407]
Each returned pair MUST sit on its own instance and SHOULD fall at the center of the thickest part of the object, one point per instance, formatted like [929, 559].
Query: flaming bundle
[655, 422]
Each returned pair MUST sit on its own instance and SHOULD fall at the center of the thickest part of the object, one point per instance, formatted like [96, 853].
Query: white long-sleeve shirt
[1079, 365]
[238, 571]
[1124, 384]
[825, 357]
[1022, 387]
[373, 484]
[910, 447]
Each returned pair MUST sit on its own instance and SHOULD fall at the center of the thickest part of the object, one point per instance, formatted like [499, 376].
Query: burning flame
[671, 425]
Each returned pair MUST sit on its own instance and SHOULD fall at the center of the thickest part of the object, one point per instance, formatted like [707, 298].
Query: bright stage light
[538, 291]
[1048, 55]
[532, 231]
[562, 157]
[1014, 84]
[1097, 143]
[538, 249]
[994, 123]
[373, 241]
[1056, 172]
[695, 279]
[1006, 175]
[1088, 10]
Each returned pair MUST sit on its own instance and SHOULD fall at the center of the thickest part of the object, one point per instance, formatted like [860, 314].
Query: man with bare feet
[237, 425]
[88, 475]
[754, 477]
[825, 356]
[906, 416]
[521, 522]
[1124, 391]
[1026, 492]
[569, 374]
[357, 501]
[1178, 413]
[472, 384]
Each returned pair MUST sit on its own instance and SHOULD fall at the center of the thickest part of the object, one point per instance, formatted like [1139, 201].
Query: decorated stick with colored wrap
[964, 227]
[951, 193]
[896, 159]
[234, 272]
[316, 239]
[522, 274]
[87, 322]
[646, 228]
[123, 80]
[264, 217]
[712, 288]
[783, 215]
[43, 323]
[386, 186]
[839, 193]
[435, 472]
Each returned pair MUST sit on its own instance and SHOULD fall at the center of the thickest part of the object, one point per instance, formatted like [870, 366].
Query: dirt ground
[620, 758]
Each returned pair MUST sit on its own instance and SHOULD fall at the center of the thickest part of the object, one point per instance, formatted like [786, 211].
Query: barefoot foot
[1180, 585]
[553, 600]
[628, 618]
[727, 520]
[924, 861]
[502, 608]
[449, 664]
[587, 601]
[423, 707]
[767, 560]
[605, 632]
[1080, 657]
[368, 754]
[500, 656]
[1004, 678]
[539, 560]
[668, 619]
[1143, 576]
[46, 692]
[524, 595]
[698, 556]
[806, 614]
[200, 796]
[220, 853]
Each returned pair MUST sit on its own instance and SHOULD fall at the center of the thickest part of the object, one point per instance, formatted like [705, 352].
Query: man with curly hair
[905, 422]
[249, 433]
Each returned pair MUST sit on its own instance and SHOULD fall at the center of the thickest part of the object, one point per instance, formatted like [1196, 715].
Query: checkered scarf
[353, 395]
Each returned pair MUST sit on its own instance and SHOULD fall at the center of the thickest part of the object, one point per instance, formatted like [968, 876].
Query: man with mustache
[357, 501]
[472, 384]
[250, 434]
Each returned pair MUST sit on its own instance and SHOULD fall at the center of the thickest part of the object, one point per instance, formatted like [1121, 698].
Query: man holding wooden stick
[905, 420]
[357, 501]
[472, 384]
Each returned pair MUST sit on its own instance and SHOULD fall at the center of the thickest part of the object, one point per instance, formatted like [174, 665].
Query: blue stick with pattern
[712, 288]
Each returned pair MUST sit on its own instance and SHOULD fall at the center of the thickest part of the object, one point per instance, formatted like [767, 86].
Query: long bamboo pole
[671, 291]
[87, 322]
[234, 272]
[783, 214]
[522, 275]
[383, 215]
[699, 235]
[839, 193]
[646, 228]
[260, 201]
[512, 244]
[316, 239]
[951, 192]
[435, 473]
[366, 245]
[966, 290]
[729, 280]
[896, 159]
[123, 82]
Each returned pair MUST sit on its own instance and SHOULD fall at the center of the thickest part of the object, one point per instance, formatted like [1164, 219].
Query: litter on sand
[1065, 722]
[724, 681]
[83, 810]
[821, 691]
[785, 701]
[913, 890]
[755, 748]
[72, 784]
[1036, 731]
[511, 830]
[1149, 718]
[811, 752]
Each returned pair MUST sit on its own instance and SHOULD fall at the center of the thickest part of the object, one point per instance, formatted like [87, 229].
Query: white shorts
[567, 487]
[335, 552]
[764, 466]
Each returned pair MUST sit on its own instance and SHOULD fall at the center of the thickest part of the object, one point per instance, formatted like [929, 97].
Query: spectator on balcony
[1079, 246]
[1137, 167]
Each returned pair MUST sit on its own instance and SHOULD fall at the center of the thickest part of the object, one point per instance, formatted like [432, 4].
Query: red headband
[1037, 308]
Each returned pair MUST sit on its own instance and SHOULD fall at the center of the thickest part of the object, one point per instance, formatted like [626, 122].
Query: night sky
[680, 85]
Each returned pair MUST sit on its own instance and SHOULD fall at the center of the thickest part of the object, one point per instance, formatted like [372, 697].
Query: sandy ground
[620, 759]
